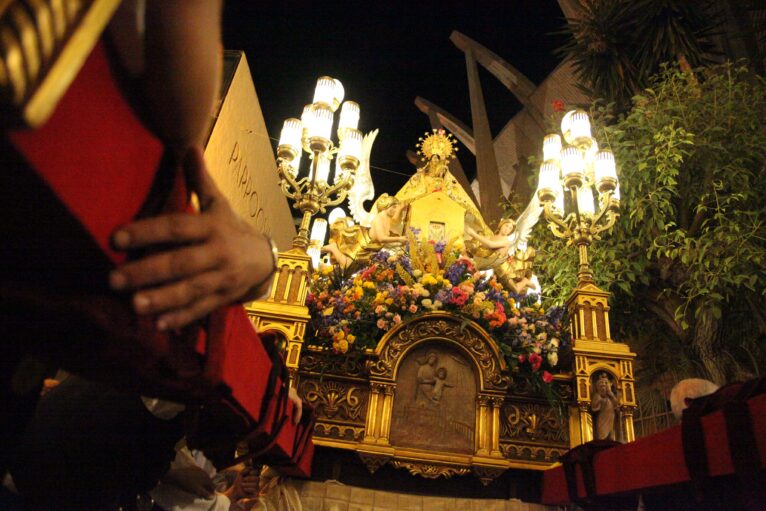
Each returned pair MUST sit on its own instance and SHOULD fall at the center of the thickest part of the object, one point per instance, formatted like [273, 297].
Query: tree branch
[664, 307]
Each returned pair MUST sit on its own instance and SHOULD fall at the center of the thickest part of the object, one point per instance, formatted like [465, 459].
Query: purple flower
[455, 273]
[442, 295]
[439, 247]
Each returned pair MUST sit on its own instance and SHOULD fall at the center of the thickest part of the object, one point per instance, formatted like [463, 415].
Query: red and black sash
[90, 169]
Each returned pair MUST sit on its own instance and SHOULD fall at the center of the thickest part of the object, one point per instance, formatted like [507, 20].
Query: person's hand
[246, 484]
[192, 480]
[293, 396]
[250, 483]
[214, 258]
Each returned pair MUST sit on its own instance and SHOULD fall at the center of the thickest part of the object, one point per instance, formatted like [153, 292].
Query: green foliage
[689, 251]
[616, 45]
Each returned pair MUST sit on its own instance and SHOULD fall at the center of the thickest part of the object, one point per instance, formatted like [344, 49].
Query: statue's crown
[437, 143]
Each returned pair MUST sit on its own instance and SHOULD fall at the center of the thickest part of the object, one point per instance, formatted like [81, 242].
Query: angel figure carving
[506, 252]
[356, 243]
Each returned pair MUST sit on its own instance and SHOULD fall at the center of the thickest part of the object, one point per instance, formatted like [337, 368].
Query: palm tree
[617, 45]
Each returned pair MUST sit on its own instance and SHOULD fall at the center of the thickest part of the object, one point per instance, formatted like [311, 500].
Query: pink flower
[535, 361]
[413, 308]
[382, 324]
[513, 321]
[459, 297]
[547, 377]
[397, 319]
[522, 358]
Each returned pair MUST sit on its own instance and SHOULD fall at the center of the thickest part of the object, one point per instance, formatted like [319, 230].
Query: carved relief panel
[433, 385]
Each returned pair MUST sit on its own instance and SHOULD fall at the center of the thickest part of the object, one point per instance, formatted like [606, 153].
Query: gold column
[497, 402]
[483, 425]
[371, 423]
[385, 414]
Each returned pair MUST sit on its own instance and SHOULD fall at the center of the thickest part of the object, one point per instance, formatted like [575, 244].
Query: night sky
[386, 54]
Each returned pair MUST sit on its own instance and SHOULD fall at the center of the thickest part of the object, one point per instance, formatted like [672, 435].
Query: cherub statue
[440, 384]
[390, 209]
[351, 243]
[605, 406]
[347, 240]
[505, 253]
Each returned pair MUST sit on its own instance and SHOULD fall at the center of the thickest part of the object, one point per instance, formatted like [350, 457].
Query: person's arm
[503, 242]
[182, 67]
[214, 258]
[379, 231]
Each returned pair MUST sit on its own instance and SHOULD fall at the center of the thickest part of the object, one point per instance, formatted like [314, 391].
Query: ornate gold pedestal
[390, 407]
[595, 352]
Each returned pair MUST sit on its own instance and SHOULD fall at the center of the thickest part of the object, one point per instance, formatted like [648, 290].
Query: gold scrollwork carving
[339, 431]
[534, 422]
[373, 461]
[440, 326]
[487, 474]
[532, 452]
[327, 363]
[430, 471]
[335, 400]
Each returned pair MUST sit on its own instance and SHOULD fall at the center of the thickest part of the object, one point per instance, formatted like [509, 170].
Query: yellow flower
[369, 284]
[351, 338]
[389, 301]
[429, 280]
[343, 346]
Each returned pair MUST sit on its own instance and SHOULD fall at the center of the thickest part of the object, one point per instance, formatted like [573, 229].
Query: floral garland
[352, 312]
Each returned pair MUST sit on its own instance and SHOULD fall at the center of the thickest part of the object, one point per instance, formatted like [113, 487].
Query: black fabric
[89, 446]
[582, 456]
[732, 399]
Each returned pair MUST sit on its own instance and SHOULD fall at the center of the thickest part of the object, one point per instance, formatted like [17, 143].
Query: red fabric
[657, 460]
[236, 357]
[82, 153]
[303, 467]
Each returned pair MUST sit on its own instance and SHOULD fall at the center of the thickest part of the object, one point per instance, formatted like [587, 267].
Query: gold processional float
[418, 346]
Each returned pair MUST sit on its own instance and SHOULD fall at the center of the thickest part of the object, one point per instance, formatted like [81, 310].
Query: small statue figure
[426, 377]
[605, 405]
[440, 383]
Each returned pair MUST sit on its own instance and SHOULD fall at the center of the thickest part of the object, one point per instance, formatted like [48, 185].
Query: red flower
[535, 361]
[459, 297]
[547, 377]
[522, 358]
[558, 105]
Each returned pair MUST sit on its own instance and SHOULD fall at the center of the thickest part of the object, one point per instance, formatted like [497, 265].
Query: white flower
[553, 358]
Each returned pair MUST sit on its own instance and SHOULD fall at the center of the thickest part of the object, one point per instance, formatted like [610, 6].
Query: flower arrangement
[352, 312]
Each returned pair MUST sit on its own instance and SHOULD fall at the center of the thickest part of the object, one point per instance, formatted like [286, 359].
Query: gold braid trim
[43, 45]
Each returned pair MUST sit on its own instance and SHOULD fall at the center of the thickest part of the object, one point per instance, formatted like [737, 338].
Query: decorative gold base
[284, 311]
[594, 352]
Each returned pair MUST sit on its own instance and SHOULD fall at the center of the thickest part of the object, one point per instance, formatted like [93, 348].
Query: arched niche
[437, 383]
[441, 328]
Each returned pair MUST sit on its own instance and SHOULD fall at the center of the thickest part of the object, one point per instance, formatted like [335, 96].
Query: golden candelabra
[313, 191]
[568, 176]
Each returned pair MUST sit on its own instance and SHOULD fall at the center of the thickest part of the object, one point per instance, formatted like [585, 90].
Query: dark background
[386, 54]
